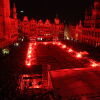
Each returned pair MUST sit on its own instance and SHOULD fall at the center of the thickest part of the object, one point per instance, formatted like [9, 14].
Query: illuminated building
[40, 29]
[8, 24]
[88, 31]
[25, 26]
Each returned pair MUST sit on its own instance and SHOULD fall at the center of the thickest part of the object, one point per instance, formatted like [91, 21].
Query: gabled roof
[47, 22]
[40, 22]
[25, 18]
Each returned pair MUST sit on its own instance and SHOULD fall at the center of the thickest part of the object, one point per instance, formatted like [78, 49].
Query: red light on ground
[78, 55]
[45, 43]
[28, 64]
[36, 86]
[64, 46]
[29, 52]
[70, 50]
[84, 53]
[35, 44]
[30, 48]
[29, 56]
[30, 44]
[59, 43]
[53, 43]
[94, 64]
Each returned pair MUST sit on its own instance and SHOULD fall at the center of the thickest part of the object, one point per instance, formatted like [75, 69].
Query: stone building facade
[39, 29]
[8, 24]
[88, 31]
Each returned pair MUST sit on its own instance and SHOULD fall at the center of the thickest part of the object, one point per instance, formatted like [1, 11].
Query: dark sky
[69, 10]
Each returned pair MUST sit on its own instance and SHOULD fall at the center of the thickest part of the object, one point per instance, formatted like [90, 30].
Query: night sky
[70, 11]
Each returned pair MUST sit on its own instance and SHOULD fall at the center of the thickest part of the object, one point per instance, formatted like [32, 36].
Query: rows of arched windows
[40, 28]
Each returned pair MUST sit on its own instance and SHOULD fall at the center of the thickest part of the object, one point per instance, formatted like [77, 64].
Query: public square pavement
[42, 54]
[55, 56]
[76, 84]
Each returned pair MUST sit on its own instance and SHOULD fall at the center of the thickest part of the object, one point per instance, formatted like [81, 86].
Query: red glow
[59, 43]
[84, 53]
[53, 43]
[45, 43]
[36, 86]
[28, 64]
[30, 48]
[35, 44]
[29, 52]
[29, 56]
[27, 81]
[94, 64]
[79, 55]
[30, 44]
[70, 50]
[64, 46]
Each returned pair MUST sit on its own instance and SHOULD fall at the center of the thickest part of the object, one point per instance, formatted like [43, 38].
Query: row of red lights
[70, 50]
[29, 54]
[78, 55]
[93, 63]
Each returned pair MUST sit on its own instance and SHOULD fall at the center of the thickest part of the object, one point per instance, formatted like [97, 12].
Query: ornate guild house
[11, 27]
[88, 31]
[42, 30]
[8, 24]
